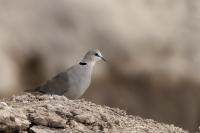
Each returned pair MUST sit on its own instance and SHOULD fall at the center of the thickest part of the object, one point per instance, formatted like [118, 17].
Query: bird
[73, 82]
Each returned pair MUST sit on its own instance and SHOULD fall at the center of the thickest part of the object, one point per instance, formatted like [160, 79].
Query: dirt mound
[44, 113]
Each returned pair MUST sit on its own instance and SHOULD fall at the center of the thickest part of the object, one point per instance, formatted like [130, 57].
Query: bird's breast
[79, 81]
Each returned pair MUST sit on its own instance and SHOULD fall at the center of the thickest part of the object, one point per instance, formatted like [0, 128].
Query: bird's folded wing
[57, 85]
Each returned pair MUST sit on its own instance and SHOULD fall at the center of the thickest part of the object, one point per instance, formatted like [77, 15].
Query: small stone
[3, 105]
[105, 130]
[85, 118]
[104, 118]
[12, 118]
[47, 119]
[47, 106]
[30, 110]
[79, 126]
[96, 129]
[117, 122]
[73, 123]
[64, 114]
[25, 101]
[43, 129]
[76, 112]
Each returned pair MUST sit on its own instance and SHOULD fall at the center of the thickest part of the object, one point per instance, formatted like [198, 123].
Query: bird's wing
[57, 85]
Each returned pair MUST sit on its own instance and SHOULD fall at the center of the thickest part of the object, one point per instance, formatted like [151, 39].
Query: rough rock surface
[44, 113]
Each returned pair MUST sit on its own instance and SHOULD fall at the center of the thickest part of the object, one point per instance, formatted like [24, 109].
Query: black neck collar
[82, 63]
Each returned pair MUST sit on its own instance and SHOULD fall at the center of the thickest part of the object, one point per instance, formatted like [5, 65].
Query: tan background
[152, 47]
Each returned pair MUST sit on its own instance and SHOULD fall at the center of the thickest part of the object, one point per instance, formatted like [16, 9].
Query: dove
[73, 82]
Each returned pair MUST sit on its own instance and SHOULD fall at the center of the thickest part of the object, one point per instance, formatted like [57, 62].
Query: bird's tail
[37, 89]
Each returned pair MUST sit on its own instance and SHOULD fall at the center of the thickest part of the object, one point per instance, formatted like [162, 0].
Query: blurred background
[152, 48]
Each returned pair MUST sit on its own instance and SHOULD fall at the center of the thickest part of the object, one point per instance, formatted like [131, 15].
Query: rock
[46, 118]
[85, 118]
[3, 105]
[44, 129]
[12, 120]
[51, 115]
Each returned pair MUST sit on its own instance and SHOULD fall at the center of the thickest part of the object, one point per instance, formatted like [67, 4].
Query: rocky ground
[44, 113]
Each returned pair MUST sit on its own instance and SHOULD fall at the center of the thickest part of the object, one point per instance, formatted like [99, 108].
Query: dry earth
[44, 113]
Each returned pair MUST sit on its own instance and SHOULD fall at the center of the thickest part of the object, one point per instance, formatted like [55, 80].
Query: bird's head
[93, 56]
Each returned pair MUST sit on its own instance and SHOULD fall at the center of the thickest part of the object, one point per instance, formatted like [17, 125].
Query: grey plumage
[74, 81]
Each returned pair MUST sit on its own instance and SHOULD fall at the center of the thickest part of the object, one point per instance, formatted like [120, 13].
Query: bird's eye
[96, 54]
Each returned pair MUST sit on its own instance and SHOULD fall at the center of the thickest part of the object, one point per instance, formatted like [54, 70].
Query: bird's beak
[103, 59]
